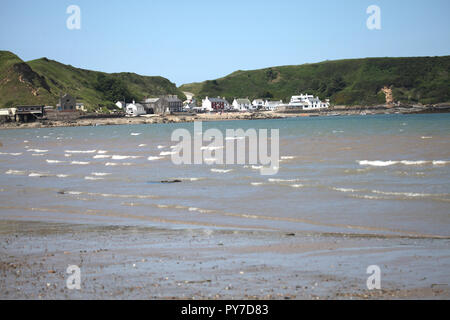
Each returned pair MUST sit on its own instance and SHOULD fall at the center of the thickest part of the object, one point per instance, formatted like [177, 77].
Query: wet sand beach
[120, 262]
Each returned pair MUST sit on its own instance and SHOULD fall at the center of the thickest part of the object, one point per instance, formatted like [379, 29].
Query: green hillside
[349, 82]
[42, 81]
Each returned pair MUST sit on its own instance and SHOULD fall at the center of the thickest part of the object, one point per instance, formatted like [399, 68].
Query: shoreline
[225, 116]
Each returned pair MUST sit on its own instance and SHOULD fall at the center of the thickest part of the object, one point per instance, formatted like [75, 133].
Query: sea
[368, 175]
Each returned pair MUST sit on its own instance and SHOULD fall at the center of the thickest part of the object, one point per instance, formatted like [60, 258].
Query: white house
[308, 102]
[242, 104]
[121, 105]
[135, 109]
[215, 104]
[272, 105]
[258, 103]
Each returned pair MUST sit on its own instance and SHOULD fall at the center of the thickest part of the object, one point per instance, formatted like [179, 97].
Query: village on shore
[169, 108]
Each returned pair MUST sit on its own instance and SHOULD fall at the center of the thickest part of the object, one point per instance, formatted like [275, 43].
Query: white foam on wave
[256, 183]
[161, 147]
[440, 162]
[167, 153]
[100, 174]
[102, 151]
[92, 178]
[80, 162]
[345, 189]
[118, 164]
[119, 157]
[296, 185]
[54, 161]
[153, 158]
[11, 153]
[407, 194]
[283, 180]
[142, 145]
[67, 155]
[287, 157]
[38, 174]
[135, 133]
[377, 163]
[101, 156]
[62, 175]
[15, 172]
[80, 151]
[412, 163]
[221, 170]
[425, 137]
[37, 150]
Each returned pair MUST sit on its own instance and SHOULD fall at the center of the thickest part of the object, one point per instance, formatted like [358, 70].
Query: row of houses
[302, 102]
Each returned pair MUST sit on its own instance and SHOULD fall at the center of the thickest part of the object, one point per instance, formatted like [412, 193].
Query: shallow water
[386, 174]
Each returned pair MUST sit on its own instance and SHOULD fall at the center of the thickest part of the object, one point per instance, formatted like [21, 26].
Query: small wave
[283, 180]
[38, 154]
[80, 162]
[80, 151]
[425, 137]
[100, 174]
[366, 197]
[37, 150]
[67, 155]
[161, 147]
[117, 157]
[221, 170]
[440, 162]
[346, 189]
[93, 178]
[15, 172]
[101, 156]
[102, 151]
[62, 175]
[412, 163]
[54, 161]
[167, 153]
[377, 163]
[135, 133]
[408, 194]
[153, 158]
[142, 145]
[256, 183]
[39, 175]
[11, 153]
[118, 164]
[257, 167]
[297, 185]
[287, 157]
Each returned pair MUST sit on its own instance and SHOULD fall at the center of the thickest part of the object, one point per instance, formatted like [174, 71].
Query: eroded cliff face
[388, 94]
[27, 75]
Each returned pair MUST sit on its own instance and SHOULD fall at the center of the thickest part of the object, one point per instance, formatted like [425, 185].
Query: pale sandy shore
[125, 262]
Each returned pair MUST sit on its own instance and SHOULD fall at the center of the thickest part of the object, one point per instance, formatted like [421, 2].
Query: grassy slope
[48, 78]
[356, 81]
[19, 84]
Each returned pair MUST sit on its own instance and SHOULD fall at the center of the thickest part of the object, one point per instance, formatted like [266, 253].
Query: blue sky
[188, 41]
